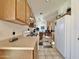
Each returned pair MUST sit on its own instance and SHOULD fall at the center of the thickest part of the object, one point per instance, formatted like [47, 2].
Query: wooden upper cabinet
[20, 10]
[7, 9]
[29, 14]
[28, 11]
[13, 10]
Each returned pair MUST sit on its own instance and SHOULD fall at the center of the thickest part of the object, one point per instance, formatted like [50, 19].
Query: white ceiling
[45, 7]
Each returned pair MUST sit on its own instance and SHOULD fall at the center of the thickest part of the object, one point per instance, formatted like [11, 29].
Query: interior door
[75, 41]
[77, 35]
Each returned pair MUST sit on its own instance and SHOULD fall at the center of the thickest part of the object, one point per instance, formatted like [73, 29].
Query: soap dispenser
[13, 38]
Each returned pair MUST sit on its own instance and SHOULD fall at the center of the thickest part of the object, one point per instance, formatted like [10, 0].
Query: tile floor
[48, 53]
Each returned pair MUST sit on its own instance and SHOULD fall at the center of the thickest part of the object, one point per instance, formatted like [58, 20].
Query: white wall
[43, 6]
[63, 8]
[6, 28]
[41, 22]
[49, 10]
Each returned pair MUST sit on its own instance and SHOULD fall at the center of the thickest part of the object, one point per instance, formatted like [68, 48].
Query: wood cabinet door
[7, 9]
[20, 10]
[16, 54]
[28, 13]
[28, 10]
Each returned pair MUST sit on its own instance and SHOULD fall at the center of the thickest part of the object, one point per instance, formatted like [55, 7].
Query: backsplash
[6, 28]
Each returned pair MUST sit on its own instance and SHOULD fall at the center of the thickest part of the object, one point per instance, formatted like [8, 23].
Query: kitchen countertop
[23, 43]
[8, 36]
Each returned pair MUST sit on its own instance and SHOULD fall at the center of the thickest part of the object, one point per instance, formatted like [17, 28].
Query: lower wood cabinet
[35, 52]
[18, 54]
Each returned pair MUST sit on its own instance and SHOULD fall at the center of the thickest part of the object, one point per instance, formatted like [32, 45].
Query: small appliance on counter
[26, 33]
[29, 32]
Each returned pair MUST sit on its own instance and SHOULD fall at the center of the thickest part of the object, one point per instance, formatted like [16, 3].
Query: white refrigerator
[62, 36]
